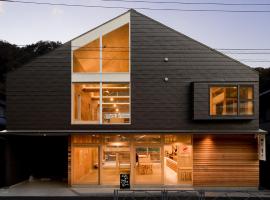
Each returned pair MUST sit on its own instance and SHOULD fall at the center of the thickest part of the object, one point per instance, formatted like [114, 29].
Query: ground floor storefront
[163, 160]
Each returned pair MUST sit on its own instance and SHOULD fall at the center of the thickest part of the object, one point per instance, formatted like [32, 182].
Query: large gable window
[108, 53]
[101, 75]
[231, 100]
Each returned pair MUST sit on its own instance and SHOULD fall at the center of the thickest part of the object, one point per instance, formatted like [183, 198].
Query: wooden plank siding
[225, 160]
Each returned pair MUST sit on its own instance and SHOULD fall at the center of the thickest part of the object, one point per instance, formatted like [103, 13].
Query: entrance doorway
[115, 159]
[85, 165]
[148, 165]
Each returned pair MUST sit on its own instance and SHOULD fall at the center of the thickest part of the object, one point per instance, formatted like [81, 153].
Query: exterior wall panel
[225, 160]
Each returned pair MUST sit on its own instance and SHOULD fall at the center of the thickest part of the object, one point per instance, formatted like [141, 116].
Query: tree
[13, 56]
[264, 74]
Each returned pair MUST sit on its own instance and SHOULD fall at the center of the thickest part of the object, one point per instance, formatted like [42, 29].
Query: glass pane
[115, 159]
[114, 139]
[86, 58]
[178, 161]
[147, 138]
[115, 51]
[115, 103]
[148, 165]
[86, 139]
[178, 138]
[86, 103]
[85, 165]
[246, 93]
[223, 100]
[246, 108]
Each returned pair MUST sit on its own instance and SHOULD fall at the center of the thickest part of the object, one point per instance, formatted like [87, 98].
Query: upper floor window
[231, 100]
[108, 53]
[108, 103]
[101, 76]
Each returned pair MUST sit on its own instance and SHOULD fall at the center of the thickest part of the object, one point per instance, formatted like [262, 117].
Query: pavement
[52, 190]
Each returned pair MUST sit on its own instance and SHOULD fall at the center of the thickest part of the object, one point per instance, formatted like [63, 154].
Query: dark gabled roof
[165, 26]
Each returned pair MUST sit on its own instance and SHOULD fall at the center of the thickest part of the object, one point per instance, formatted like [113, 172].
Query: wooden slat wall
[225, 160]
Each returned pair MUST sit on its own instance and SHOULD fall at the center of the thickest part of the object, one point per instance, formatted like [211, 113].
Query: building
[265, 124]
[135, 96]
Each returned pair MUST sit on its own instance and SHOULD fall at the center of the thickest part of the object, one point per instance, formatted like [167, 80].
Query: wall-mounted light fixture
[166, 79]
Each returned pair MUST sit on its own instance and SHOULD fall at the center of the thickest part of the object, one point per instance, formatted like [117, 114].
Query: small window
[223, 100]
[231, 100]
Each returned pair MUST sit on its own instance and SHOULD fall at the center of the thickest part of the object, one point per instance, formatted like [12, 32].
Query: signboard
[124, 181]
[261, 147]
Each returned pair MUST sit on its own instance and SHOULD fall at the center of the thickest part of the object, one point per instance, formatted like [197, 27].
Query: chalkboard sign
[124, 181]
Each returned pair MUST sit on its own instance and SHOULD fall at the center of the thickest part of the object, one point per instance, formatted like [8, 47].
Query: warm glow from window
[115, 103]
[86, 102]
[227, 101]
[96, 96]
[115, 51]
[87, 58]
[246, 101]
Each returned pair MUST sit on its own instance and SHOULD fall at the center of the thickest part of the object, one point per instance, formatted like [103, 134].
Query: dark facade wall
[2, 161]
[39, 94]
[265, 125]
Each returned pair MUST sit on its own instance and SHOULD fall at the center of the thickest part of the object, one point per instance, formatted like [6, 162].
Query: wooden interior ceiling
[86, 58]
[115, 53]
[116, 50]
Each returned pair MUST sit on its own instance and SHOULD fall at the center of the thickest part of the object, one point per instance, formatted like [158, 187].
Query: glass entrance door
[85, 165]
[148, 165]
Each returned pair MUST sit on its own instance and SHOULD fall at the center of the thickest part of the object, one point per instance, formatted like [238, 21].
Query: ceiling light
[111, 99]
[114, 105]
[116, 109]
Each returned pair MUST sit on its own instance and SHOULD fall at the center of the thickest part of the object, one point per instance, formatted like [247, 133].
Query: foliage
[13, 56]
[264, 78]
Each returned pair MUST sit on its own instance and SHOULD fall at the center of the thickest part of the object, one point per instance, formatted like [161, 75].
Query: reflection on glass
[147, 138]
[115, 158]
[115, 103]
[85, 165]
[86, 58]
[223, 100]
[86, 102]
[148, 165]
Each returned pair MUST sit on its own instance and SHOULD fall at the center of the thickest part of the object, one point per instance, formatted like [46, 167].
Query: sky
[27, 23]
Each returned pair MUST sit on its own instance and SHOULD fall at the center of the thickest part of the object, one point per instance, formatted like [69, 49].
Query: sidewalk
[59, 190]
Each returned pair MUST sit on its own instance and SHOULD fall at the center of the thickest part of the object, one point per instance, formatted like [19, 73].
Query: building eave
[73, 132]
